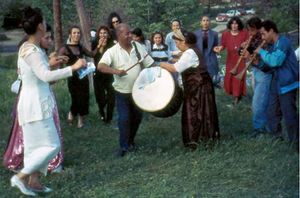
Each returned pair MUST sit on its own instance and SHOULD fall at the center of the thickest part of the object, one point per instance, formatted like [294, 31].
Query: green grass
[8, 61]
[237, 166]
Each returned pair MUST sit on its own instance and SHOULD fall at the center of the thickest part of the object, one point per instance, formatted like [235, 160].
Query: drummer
[199, 118]
[118, 60]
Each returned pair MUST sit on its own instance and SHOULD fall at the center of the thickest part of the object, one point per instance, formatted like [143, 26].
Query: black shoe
[107, 122]
[192, 146]
[217, 86]
[121, 153]
[256, 133]
[277, 136]
[132, 148]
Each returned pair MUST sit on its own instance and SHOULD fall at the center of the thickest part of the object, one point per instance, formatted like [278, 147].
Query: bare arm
[218, 49]
[55, 61]
[89, 53]
[106, 69]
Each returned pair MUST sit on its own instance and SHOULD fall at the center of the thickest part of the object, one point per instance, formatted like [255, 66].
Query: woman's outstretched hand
[79, 64]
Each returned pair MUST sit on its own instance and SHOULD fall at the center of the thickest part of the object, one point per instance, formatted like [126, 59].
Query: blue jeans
[129, 119]
[260, 100]
[283, 105]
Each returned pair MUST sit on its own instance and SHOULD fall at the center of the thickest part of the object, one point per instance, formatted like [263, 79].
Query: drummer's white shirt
[118, 58]
[188, 59]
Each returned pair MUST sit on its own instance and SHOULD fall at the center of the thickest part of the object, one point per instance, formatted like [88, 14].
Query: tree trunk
[58, 40]
[84, 23]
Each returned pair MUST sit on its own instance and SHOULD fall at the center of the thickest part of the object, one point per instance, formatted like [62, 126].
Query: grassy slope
[236, 167]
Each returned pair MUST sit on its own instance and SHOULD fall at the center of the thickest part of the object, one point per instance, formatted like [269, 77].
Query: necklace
[234, 42]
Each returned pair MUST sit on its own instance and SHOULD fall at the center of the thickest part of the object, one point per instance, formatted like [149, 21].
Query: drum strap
[138, 55]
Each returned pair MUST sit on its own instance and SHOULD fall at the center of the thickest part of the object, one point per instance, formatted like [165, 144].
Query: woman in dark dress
[78, 88]
[103, 88]
[113, 20]
[199, 114]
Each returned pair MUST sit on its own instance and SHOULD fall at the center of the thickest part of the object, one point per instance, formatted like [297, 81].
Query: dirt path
[11, 46]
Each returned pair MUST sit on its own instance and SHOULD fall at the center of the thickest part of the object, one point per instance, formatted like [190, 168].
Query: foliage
[285, 13]
[156, 14]
[9, 61]
[11, 9]
[153, 15]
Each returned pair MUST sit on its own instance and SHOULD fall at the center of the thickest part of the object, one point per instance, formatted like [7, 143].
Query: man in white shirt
[118, 60]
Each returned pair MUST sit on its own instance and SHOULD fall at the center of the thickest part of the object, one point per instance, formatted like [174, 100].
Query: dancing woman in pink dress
[36, 105]
[13, 155]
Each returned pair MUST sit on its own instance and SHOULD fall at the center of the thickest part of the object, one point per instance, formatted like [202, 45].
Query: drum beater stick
[139, 61]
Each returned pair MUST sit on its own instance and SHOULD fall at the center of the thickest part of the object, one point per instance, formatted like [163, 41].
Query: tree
[156, 14]
[58, 40]
[285, 13]
[84, 22]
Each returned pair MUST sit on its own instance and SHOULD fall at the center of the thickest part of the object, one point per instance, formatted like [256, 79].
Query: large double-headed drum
[156, 91]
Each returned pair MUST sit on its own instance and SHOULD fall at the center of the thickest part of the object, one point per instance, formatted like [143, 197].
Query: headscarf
[178, 35]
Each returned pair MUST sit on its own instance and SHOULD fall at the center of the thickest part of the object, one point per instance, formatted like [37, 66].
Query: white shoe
[16, 182]
[43, 190]
[57, 170]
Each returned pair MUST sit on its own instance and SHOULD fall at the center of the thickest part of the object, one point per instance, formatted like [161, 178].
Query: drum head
[156, 95]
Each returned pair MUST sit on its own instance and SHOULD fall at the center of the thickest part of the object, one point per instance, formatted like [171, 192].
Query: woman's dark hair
[237, 20]
[190, 37]
[103, 27]
[138, 32]
[73, 27]
[254, 22]
[110, 17]
[162, 37]
[48, 28]
[207, 16]
[32, 17]
[175, 20]
[268, 25]
[70, 31]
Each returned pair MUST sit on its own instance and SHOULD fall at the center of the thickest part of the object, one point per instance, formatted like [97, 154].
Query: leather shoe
[121, 153]
[256, 133]
[132, 148]
[192, 145]
[15, 181]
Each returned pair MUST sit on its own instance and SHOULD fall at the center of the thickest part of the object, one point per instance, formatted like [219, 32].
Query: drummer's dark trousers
[129, 119]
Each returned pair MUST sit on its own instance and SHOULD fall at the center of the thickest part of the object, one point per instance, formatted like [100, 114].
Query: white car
[232, 13]
[250, 11]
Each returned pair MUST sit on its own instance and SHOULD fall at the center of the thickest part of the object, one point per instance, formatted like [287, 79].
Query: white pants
[41, 144]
